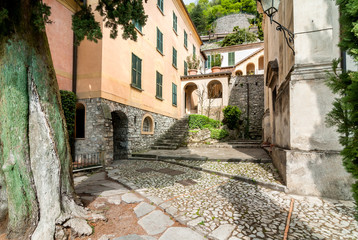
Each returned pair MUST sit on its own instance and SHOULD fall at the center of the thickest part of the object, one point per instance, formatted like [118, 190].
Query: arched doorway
[120, 135]
[191, 98]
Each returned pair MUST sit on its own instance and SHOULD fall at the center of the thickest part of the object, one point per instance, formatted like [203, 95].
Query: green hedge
[68, 100]
[218, 133]
[201, 121]
[232, 116]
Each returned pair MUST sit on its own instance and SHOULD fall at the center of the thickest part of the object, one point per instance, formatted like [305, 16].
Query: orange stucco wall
[60, 38]
[110, 78]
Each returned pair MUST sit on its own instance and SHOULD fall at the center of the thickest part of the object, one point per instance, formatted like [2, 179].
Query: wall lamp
[270, 7]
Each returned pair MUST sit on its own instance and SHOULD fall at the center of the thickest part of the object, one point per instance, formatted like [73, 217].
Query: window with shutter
[185, 68]
[159, 41]
[159, 88]
[174, 94]
[175, 20]
[160, 5]
[174, 57]
[231, 58]
[136, 71]
[185, 39]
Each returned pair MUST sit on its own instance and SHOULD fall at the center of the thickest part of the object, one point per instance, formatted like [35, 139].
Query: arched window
[261, 63]
[250, 69]
[147, 124]
[80, 120]
[238, 73]
[215, 89]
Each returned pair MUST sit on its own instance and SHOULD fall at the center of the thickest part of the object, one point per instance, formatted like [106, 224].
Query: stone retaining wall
[247, 93]
[99, 128]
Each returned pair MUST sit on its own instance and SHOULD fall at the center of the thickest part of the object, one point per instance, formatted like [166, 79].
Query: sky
[189, 1]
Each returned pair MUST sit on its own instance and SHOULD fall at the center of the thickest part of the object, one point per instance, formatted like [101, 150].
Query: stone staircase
[174, 137]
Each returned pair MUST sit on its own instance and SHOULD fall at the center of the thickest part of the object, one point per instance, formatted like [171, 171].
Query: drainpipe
[74, 65]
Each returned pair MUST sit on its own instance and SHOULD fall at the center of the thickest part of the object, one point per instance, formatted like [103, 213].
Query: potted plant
[193, 64]
[216, 60]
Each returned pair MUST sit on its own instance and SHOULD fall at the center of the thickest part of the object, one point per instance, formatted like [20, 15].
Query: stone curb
[140, 156]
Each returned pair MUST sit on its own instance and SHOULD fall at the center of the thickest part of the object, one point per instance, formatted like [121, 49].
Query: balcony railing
[87, 161]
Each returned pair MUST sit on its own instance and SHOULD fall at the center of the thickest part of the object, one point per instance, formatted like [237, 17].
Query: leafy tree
[238, 37]
[232, 116]
[344, 114]
[199, 19]
[35, 161]
[257, 21]
[215, 9]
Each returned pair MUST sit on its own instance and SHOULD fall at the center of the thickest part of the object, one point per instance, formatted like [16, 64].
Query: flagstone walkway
[219, 207]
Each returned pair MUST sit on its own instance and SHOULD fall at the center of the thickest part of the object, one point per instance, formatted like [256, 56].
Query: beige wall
[254, 59]
[110, 77]
[202, 88]
[304, 149]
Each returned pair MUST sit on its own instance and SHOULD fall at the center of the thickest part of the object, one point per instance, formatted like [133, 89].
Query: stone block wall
[99, 128]
[247, 93]
[227, 23]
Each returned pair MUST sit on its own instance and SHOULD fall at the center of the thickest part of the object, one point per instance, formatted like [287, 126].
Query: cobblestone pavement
[264, 172]
[214, 152]
[223, 208]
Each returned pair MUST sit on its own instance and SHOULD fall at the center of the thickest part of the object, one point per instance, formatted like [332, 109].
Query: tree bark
[34, 150]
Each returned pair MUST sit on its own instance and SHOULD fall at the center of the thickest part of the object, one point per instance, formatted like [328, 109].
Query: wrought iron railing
[85, 161]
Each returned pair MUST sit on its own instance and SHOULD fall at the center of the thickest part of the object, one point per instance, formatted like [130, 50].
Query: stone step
[214, 145]
[164, 147]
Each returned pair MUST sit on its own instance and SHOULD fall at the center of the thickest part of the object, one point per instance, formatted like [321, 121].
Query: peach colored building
[60, 38]
[129, 92]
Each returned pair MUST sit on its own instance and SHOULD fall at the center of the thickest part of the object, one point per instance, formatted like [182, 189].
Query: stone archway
[191, 98]
[120, 135]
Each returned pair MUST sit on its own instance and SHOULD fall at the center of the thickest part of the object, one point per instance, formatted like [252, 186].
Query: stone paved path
[214, 152]
[128, 215]
[222, 208]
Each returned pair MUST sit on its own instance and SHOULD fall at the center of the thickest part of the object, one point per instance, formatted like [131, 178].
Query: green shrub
[231, 116]
[201, 121]
[68, 100]
[218, 133]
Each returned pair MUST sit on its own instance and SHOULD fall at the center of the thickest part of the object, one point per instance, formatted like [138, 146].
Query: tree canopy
[239, 36]
[344, 114]
[214, 9]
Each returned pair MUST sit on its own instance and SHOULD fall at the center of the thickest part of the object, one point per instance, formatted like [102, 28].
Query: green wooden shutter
[185, 68]
[174, 95]
[174, 57]
[159, 85]
[159, 40]
[231, 58]
[139, 77]
[209, 62]
[194, 50]
[160, 4]
[185, 39]
[175, 22]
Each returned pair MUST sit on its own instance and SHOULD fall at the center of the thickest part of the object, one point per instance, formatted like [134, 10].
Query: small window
[175, 22]
[159, 41]
[208, 62]
[136, 71]
[261, 63]
[231, 58]
[147, 124]
[174, 57]
[185, 68]
[137, 26]
[80, 120]
[159, 85]
[160, 4]
[174, 94]
[194, 50]
[185, 39]
[250, 69]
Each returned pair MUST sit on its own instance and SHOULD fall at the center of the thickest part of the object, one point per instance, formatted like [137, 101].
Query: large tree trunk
[34, 151]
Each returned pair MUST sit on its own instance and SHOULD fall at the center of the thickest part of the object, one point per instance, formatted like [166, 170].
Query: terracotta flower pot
[193, 72]
[215, 69]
